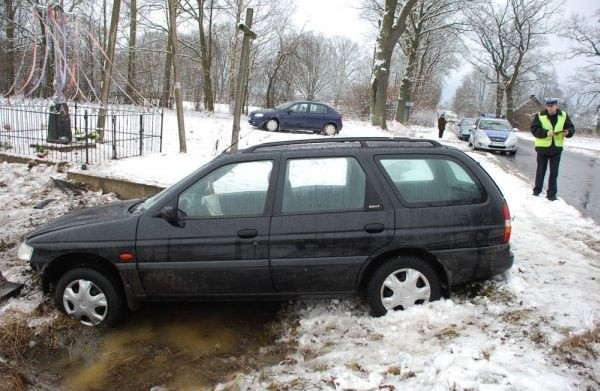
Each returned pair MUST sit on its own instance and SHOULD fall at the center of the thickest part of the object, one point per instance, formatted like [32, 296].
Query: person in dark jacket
[442, 125]
[549, 127]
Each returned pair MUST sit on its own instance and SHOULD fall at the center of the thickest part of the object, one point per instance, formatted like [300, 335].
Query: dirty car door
[330, 220]
[220, 244]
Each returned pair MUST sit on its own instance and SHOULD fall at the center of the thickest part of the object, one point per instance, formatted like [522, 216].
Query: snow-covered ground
[516, 332]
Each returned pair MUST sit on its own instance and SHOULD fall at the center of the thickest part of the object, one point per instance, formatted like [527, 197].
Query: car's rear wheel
[89, 296]
[329, 130]
[401, 283]
[272, 125]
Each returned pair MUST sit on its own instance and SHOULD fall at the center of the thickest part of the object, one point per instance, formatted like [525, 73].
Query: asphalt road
[578, 177]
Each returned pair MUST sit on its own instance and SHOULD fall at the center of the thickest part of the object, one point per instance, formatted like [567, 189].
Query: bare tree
[585, 36]
[392, 26]
[425, 21]
[508, 35]
[312, 66]
[344, 64]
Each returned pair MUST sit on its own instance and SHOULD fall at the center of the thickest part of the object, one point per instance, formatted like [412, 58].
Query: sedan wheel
[89, 296]
[402, 283]
[329, 130]
[272, 125]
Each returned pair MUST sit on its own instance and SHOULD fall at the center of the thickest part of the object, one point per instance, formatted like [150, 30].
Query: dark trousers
[441, 133]
[542, 164]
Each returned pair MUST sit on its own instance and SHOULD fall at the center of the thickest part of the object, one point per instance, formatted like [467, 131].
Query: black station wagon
[399, 221]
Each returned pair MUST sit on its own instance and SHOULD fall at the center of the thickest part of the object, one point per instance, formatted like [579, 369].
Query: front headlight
[482, 137]
[259, 115]
[25, 252]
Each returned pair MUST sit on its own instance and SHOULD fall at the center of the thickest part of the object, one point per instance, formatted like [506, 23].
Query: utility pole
[176, 74]
[242, 77]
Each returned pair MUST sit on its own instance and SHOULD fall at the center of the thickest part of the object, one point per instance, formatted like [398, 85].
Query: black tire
[89, 296]
[272, 125]
[425, 287]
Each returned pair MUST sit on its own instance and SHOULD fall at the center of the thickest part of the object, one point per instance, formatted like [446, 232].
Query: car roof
[345, 142]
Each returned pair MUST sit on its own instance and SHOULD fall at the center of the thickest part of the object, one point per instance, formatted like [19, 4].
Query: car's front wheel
[401, 283]
[272, 125]
[329, 130]
[89, 296]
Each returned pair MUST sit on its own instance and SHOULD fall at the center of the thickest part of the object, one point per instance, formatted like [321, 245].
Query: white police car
[493, 134]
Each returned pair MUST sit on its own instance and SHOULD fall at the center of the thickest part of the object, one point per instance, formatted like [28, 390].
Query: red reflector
[126, 257]
[507, 223]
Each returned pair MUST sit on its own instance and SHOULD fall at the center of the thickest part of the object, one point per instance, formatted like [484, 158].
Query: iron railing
[80, 134]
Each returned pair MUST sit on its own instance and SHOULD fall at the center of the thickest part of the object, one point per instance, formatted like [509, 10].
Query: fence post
[85, 120]
[141, 134]
[162, 114]
[114, 131]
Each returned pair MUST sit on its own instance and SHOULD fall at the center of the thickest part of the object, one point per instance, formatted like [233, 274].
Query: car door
[295, 117]
[315, 118]
[219, 245]
[329, 219]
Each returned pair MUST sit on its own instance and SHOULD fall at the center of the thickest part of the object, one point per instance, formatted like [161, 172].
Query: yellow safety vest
[547, 125]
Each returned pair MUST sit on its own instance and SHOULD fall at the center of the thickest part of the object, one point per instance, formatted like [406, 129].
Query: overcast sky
[341, 17]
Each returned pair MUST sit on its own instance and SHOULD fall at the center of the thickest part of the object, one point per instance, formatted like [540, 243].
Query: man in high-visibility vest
[550, 127]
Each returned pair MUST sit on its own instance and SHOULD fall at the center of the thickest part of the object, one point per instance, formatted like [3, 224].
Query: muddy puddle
[173, 346]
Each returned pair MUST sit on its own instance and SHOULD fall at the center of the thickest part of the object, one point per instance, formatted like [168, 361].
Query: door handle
[374, 228]
[247, 233]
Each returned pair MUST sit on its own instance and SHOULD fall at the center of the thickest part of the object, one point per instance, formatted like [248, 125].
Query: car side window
[317, 109]
[300, 107]
[432, 181]
[238, 189]
[307, 190]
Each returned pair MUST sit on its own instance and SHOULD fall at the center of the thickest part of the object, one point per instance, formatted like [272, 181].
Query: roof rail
[362, 142]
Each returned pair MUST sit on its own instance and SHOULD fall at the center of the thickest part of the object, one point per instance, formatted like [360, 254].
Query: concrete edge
[125, 190]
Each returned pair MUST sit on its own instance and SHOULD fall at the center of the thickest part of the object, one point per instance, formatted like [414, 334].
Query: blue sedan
[298, 115]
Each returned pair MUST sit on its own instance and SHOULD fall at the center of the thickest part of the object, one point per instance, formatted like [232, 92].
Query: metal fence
[80, 134]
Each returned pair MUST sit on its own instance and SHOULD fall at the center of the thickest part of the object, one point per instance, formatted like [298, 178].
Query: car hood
[97, 214]
[264, 111]
[497, 135]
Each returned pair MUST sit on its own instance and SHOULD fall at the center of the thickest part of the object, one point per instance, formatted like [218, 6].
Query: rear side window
[432, 181]
[323, 184]
[317, 109]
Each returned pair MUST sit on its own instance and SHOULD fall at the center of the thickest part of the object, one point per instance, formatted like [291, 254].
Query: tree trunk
[409, 74]
[108, 68]
[130, 88]
[8, 64]
[206, 61]
[499, 97]
[389, 33]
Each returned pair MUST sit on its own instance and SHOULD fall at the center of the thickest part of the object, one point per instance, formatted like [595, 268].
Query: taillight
[507, 223]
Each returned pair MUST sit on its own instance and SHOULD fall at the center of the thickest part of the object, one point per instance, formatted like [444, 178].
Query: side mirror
[169, 213]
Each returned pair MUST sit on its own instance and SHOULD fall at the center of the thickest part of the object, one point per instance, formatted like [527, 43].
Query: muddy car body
[400, 221]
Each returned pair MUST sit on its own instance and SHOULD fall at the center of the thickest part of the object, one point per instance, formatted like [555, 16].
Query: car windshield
[497, 124]
[467, 121]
